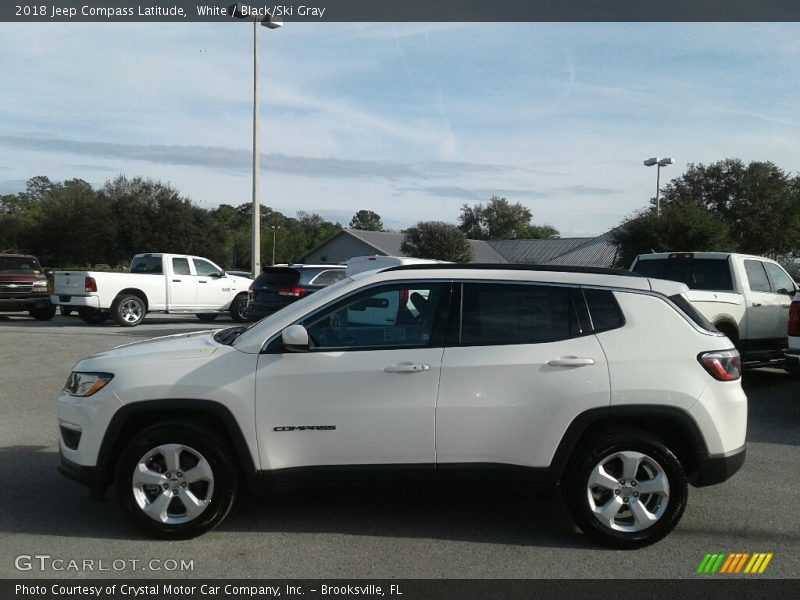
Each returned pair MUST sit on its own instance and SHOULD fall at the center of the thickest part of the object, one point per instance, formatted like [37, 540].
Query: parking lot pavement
[360, 533]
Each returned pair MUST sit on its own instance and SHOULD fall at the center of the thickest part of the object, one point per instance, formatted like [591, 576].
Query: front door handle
[571, 361]
[176, 281]
[202, 281]
[407, 367]
[756, 304]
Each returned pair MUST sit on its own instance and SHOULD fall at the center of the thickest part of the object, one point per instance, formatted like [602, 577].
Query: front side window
[205, 268]
[391, 316]
[501, 313]
[756, 276]
[781, 282]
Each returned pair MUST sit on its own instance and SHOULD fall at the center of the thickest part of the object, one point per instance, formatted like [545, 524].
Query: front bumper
[76, 472]
[713, 469]
[24, 303]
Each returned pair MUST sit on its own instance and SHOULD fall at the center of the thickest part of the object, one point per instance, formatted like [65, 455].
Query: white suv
[608, 385]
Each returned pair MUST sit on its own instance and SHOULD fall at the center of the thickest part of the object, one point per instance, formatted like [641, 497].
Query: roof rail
[516, 267]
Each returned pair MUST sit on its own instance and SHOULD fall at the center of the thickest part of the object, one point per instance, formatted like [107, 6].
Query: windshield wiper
[227, 336]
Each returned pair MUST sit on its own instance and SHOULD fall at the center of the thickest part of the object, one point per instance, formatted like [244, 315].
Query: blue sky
[408, 120]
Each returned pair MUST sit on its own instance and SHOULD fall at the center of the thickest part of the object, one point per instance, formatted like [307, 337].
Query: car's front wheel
[626, 489]
[177, 480]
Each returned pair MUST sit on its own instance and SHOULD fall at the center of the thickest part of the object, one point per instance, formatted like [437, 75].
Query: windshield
[324, 294]
[19, 264]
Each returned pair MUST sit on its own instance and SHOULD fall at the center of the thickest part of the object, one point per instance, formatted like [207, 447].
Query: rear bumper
[257, 311]
[713, 469]
[77, 301]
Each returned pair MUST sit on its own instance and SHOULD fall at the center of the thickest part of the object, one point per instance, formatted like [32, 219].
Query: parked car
[793, 353]
[24, 287]
[170, 283]
[611, 386]
[279, 286]
[746, 297]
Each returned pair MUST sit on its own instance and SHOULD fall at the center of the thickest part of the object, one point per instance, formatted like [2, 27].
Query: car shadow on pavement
[499, 515]
[773, 406]
[46, 503]
[36, 499]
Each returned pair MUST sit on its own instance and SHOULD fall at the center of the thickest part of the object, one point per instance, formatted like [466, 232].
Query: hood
[180, 346]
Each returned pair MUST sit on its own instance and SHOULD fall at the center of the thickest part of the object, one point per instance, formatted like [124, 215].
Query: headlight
[86, 384]
[40, 286]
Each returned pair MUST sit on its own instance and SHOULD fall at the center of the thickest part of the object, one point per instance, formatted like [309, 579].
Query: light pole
[274, 231]
[663, 162]
[241, 10]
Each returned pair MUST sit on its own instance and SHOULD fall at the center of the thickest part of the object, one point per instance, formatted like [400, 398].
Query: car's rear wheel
[626, 489]
[177, 480]
[128, 310]
[239, 308]
[92, 316]
[207, 317]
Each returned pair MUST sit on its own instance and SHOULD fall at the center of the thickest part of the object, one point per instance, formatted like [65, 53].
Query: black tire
[128, 310]
[43, 314]
[92, 316]
[66, 311]
[207, 317]
[217, 498]
[579, 494]
[238, 309]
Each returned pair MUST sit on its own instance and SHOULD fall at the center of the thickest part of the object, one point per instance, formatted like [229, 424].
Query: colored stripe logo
[735, 562]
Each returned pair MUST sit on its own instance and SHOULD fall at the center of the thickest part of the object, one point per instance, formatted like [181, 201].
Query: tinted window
[278, 276]
[781, 282]
[180, 266]
[683, 303]
[204, 268]
[306, 275]
[604, 310]
[756, 276]
[329, 277]
[698, 273]
[495, 314]
[379, 318]
[147, 264]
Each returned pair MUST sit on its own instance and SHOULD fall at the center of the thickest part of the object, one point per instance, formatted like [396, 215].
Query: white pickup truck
[746, 297]
[170, 283]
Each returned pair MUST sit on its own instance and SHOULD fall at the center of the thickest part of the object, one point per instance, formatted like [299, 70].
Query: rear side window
[711, 274]
[499, 313]
[687, 307]
[603, 309]
[329, 277]
[180, 266]
[756, 276]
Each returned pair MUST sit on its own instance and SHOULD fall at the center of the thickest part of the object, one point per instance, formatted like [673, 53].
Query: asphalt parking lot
[383, 533]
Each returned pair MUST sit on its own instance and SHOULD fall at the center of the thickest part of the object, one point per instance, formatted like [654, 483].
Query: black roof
[515, 267]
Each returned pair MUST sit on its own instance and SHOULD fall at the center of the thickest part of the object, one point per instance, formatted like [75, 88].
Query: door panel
[182, 284]
[212, 292]
[763, 307]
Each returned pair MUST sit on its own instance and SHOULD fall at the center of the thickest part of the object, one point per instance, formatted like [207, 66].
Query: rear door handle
[202, 281]
[176, 281]
[407, 367]
[571, 361]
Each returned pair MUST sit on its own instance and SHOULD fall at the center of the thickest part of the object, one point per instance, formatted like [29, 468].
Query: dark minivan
[277, 287]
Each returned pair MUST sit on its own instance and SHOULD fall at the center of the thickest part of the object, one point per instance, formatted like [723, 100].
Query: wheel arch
[726, 324]
[133, 418]
[672, 425]
[134, 292]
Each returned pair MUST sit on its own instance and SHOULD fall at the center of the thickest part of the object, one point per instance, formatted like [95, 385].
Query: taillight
[294, 292]
[90, 284]
[794, 319]
[722, 365]
[404, 298]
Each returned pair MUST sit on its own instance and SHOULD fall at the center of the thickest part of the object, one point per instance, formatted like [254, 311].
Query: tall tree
[686, 227]
[366, 220]
[759, 202]
[436, 240]
[501, 220]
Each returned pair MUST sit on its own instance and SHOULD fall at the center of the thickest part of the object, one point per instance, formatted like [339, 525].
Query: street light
[241, 10]
[663, 162]
[274, 231]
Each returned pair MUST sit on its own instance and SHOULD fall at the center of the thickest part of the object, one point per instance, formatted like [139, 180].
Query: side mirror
[295, 338]
[49, 272]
